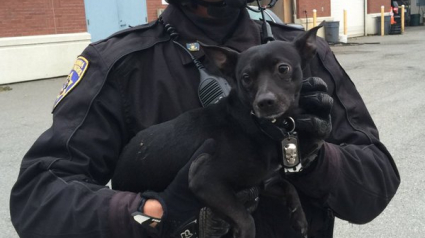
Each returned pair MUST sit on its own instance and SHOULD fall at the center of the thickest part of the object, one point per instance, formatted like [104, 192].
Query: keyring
[286, 124]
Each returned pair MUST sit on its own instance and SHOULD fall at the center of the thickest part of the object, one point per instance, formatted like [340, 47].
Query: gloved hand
[313, 124]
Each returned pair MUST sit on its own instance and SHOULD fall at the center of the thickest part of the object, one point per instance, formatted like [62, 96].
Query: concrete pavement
[389, 73]
[24, 115]
[391, 79]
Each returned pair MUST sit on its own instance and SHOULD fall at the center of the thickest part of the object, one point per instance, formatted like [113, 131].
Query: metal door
[105, 17]
[131, 13]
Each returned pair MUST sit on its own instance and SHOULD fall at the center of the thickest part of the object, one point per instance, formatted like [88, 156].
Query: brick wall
[41, 17]
[323, 8]
[152, 7]
[374, 6]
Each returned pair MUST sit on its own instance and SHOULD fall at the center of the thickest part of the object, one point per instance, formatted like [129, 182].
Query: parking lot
[388, 71]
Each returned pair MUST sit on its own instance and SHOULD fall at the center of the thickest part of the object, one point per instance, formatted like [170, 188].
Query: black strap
[207, 4]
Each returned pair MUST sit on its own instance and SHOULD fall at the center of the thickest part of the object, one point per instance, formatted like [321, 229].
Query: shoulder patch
[74, 77]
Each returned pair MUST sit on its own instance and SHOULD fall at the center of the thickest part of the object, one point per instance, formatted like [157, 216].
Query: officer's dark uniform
[138, 78]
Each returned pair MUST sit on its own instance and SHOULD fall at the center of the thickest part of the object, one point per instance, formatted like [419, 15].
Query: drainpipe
[294, 10]
[365, 17]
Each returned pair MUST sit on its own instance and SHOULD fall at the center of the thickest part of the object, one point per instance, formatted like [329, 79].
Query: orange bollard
[345, 22]
[402, 19]
[382, 21]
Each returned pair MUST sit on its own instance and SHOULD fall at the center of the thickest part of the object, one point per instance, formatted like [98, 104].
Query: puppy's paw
[299, 221]
[245, 228]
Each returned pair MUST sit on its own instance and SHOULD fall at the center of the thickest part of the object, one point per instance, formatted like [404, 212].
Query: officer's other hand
[180, 206]
[212, 225]
[313, 124]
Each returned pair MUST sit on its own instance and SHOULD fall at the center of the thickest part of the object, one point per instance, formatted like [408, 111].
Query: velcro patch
[74, 77]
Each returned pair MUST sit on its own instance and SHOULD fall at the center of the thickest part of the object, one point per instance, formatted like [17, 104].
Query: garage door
[355, 17]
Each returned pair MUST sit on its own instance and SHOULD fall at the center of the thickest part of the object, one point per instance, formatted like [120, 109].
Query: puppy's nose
[266, 101]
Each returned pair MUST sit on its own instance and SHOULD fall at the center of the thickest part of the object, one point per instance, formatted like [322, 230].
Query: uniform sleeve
[355, 174]
[60, 191]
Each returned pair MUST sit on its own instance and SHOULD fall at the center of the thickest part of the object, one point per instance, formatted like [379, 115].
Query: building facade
[40, 38]
[56, 31]
[360, 14]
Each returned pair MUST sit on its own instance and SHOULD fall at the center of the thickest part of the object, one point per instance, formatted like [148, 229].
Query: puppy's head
[267, 77]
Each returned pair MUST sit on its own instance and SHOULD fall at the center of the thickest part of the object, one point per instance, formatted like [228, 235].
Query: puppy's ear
[306, 44]
[224, 58]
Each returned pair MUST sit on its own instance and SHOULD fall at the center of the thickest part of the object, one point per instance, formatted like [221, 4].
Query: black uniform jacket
[139, 77]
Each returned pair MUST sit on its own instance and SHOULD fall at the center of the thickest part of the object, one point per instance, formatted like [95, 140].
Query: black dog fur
[267, 80]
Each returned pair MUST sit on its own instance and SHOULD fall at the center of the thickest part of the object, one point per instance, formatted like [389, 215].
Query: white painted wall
[355, 16]
[37, 57]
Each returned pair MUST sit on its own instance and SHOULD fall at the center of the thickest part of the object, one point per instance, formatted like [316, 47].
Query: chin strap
[224, 3]
[208, 4]
[223, 8]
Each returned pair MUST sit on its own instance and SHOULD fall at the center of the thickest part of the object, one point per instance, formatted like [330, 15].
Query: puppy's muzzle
[268, 106]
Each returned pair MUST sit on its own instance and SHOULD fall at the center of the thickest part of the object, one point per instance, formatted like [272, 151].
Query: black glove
[313, 124]
[180, 206]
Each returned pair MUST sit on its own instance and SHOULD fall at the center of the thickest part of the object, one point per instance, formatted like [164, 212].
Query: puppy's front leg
[219, 196]
[282, 189]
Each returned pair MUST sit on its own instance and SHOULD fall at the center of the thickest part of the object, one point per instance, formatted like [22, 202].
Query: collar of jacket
[246, 34]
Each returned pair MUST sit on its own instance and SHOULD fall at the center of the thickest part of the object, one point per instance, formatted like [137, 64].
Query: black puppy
[266, 84]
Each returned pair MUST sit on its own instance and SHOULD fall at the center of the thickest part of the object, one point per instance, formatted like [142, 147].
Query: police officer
[139, 77]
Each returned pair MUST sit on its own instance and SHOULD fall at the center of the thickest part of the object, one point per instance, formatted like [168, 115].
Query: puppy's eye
[246, 80]
[283, 68]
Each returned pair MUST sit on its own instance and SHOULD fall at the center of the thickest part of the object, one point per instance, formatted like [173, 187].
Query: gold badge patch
[193, 46]
[74, 77]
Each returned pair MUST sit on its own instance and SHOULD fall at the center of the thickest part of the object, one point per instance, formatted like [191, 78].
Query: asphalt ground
[387, 70]
[391, 79]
